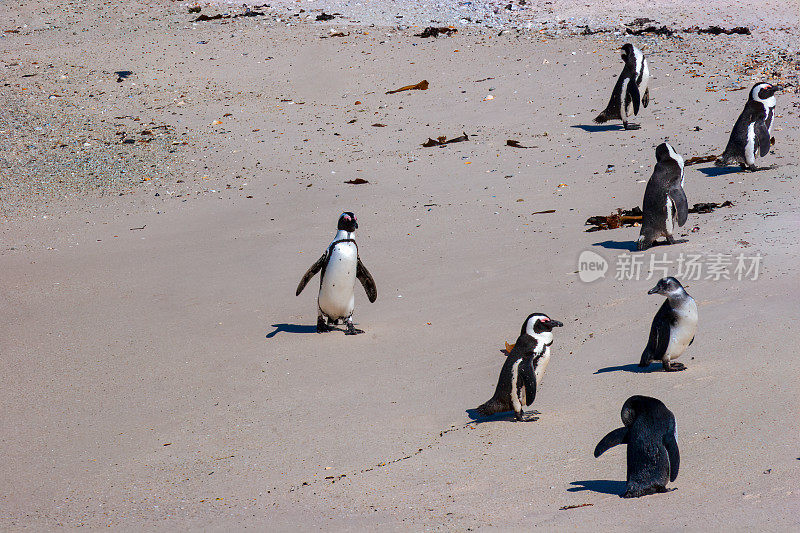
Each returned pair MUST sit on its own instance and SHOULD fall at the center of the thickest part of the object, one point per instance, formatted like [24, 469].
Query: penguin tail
[601, 118]
[489, 408]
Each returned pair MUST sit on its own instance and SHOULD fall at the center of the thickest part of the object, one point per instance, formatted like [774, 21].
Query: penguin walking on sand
[524, 367]
[340, 266]
[664, 204]
[653, 456]
[752, 134]
[673, 328]
[631, 89]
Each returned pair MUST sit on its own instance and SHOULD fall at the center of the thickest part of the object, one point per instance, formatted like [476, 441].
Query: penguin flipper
[310, 273]
[678, 197]
[763, 138]
[646, 97]
[367, 282]
[633, 93]
[528, 377]
[671, 444]
[659, 337]
[615, 438]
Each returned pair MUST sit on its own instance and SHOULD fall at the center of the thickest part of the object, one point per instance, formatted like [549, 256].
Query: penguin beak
[654, 290]
[556, 323]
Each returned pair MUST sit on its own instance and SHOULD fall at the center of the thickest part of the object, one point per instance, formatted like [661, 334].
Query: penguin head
[667, 287]
[540, 327]
[762, 91]
[665, 151]
[626, 51]
[634, 406]
[347, 222]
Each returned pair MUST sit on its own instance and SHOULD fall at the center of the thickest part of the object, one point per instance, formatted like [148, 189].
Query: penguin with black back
[630, 90]
[664, 206]
[523, 368]
[653, 456]
[752, 133]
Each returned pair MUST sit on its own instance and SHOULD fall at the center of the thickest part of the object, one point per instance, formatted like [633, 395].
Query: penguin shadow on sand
[631, 246]
[633, 367]
[292, 328]
[715, 172]
[602, 486]
[506, 416]
[597, 128]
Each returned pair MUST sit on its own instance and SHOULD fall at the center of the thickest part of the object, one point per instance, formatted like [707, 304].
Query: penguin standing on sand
[340, 266]
[653, 455]
[524, 367]
[664, 204]
[673, 328]
[631, 89]
[752, 134]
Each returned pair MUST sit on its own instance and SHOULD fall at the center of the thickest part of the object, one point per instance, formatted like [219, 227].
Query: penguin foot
[352, 330]
[631, 126]
[674, 367]
[322, 327]
[519, 417]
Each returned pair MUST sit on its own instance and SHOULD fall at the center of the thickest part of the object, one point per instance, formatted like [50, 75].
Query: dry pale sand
[167, 377]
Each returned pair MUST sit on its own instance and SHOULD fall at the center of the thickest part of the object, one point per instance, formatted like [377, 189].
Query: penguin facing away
[653, 456]
[523, 368]
[340, 266]
[664, 204]
[752, 133]
[630, 90]
[673, 328]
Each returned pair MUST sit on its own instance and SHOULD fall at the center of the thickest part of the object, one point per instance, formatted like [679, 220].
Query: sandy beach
[165, 183]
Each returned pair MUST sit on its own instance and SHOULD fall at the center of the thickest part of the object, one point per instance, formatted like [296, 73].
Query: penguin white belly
[750, 147]
[645, 78]
[541, 365]
[684, 331]
[669, 222]
[770, 118]
[336, 298]
[624, 110]
[517, 396]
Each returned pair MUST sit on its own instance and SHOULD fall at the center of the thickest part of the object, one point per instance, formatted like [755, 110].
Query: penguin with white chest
[664, 204]
[340, 266]
[630, 91]
[673, 328]
[752, 134]
[524, 367]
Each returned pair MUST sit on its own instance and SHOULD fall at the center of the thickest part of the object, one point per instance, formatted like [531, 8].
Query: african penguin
[631, 88]
[674, 325]
[653, 456]
[752, 134]
[664, 204]
[524, 367]
[340, 266]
